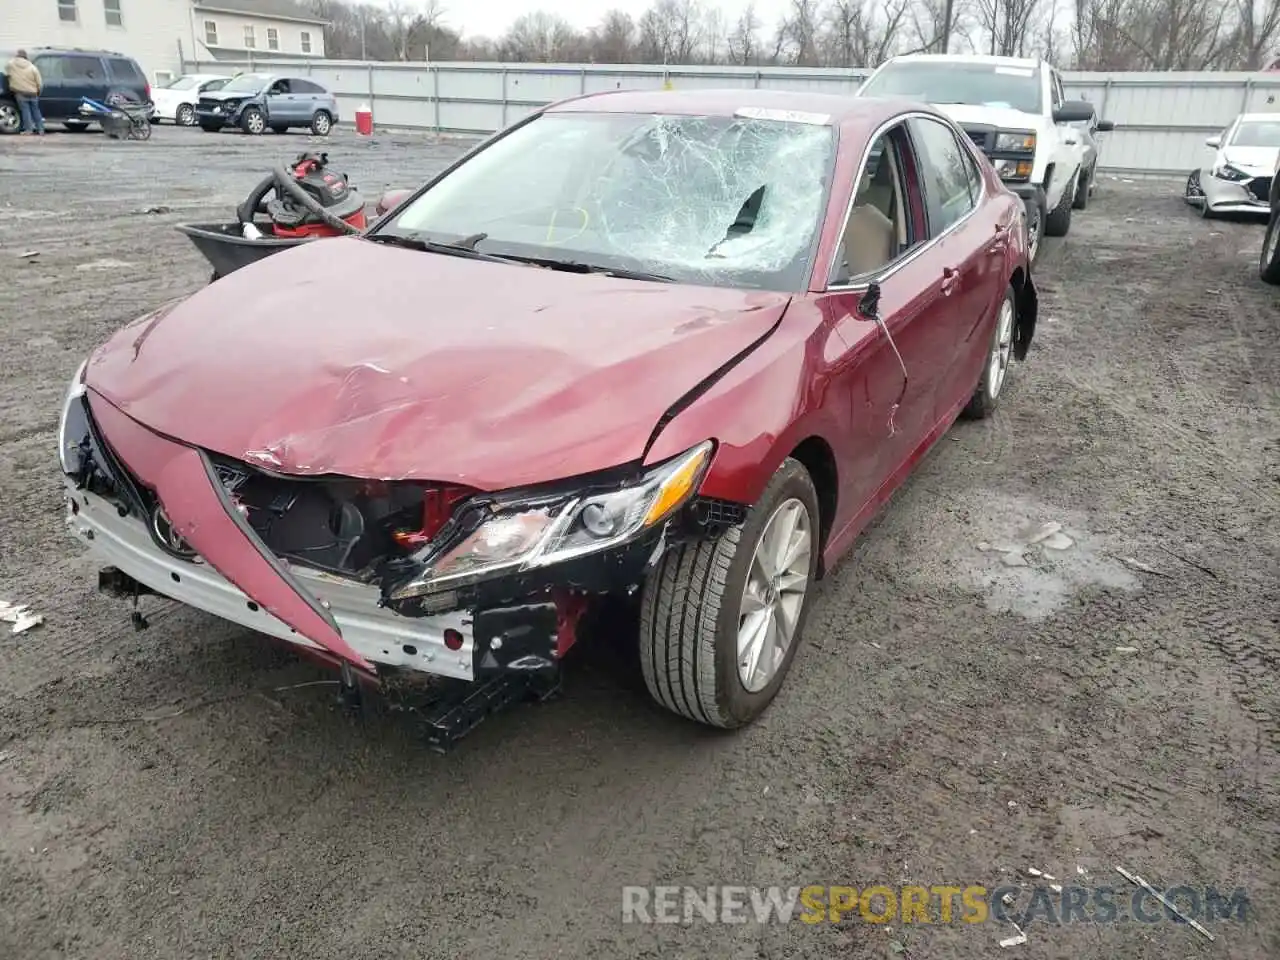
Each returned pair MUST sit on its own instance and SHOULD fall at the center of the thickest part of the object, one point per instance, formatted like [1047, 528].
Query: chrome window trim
[893, 266]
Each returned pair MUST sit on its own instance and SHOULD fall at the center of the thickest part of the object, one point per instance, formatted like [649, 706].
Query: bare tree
[410, 26]
[614, 40]
[859, 33]
[540, 37]
[1009, 24]
[744, 38]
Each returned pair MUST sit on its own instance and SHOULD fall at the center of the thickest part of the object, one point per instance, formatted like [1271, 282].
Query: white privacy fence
[1162, 119]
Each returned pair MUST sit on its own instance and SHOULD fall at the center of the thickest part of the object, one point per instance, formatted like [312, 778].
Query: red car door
[890, 371]
[969, 253]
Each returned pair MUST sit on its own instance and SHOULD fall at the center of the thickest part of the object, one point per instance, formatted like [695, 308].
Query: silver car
[1244, 163]
[1089, 130]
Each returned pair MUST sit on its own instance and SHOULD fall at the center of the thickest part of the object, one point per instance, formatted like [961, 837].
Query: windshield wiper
[464, 248]
[577, 266]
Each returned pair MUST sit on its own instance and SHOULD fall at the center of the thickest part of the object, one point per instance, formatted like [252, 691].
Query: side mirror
[1105, 126]
[1214, 141]
[1073, 111]
[390, 200]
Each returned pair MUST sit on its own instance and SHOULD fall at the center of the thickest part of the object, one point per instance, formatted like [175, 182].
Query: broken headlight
[72, 426]
[524, 534]
[1227, 172]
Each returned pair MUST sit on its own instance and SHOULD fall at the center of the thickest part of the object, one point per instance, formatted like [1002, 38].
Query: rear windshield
[125, 71]
[978, 84]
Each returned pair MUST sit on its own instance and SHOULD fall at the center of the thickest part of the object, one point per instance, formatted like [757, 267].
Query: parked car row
[251, 102]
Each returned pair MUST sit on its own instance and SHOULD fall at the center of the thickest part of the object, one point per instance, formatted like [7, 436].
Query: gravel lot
[951, 720]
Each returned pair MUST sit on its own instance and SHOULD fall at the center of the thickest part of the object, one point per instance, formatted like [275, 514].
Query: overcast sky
[490, 18]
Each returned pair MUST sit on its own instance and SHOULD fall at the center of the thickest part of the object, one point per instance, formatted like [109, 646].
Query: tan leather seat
[869, 240]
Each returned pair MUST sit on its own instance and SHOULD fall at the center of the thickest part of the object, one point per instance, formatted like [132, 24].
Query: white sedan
[176, 102]
[1239, 178]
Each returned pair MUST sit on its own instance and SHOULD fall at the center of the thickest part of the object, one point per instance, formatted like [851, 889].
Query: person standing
[26, 84]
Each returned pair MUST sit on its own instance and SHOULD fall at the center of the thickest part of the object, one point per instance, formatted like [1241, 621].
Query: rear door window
[212, 85]
[307, 86]
[78, 69]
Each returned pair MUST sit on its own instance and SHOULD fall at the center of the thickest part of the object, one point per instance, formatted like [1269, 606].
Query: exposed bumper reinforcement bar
[376, 633]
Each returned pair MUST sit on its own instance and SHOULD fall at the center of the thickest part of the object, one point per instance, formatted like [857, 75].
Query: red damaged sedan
[671, 347]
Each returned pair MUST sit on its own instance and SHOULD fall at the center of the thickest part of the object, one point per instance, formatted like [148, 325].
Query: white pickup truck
[1015, 110]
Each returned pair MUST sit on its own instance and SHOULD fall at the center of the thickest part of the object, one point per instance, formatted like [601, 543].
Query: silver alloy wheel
[1001, 350]
[1033, 234]
[321, 124]
[774, 594]
[256, 122]
[10, 119]
[186, 115]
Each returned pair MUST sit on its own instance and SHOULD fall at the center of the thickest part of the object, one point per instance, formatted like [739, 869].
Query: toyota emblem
[167, 538]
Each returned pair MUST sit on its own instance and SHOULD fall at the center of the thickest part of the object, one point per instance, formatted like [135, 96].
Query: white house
[159, 34]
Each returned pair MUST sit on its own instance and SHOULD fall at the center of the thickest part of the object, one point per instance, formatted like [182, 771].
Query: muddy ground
[951, 720]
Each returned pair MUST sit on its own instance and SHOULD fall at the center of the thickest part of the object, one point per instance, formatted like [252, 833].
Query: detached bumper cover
[1253, 196]
[376, 634]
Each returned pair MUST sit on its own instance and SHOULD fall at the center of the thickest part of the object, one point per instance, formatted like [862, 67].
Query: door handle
[950, 280]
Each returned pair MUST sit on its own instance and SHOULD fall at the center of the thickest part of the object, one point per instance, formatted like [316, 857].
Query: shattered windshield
[978, 84]
[1257, 133]
[724, 201]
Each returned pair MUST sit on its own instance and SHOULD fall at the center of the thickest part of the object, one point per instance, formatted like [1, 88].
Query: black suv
[70, 74]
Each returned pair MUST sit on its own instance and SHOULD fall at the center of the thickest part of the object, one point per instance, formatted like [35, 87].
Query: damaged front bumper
[1248, 195]
[399, 623]
[443, 644]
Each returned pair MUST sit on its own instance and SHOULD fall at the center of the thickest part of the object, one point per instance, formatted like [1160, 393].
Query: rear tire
[1035, 224]
[1083, 188]
[1058, 222]
[995, 369]
[696, 604]
[1269, 260]
[253, 122]
[75, 126]
[185, 115]
[321, 123]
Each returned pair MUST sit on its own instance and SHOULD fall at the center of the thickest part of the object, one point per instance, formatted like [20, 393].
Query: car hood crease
[342, 357]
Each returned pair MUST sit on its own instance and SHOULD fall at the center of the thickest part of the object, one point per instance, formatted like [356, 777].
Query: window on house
[250, 38]
[211, 33]
[306, 41]
[111, 8]
[67, 11]
[273, 38]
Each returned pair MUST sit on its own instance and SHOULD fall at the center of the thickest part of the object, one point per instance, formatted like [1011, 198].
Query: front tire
[10, 118]
[1058, 222]
[1269, 260]
[185, 115]
[995, 371]
[721, 619]
[253, 122]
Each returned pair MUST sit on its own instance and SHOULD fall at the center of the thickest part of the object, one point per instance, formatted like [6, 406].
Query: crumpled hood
[1259, 161]
[228, 95]
[347, 357]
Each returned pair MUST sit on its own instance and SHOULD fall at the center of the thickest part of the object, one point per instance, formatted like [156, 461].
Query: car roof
[838, 110]
[84, 50]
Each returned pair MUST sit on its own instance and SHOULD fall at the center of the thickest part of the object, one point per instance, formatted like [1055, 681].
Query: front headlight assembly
[517, 534]
[1016, 141]
[72, 426]
[1228, 172]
